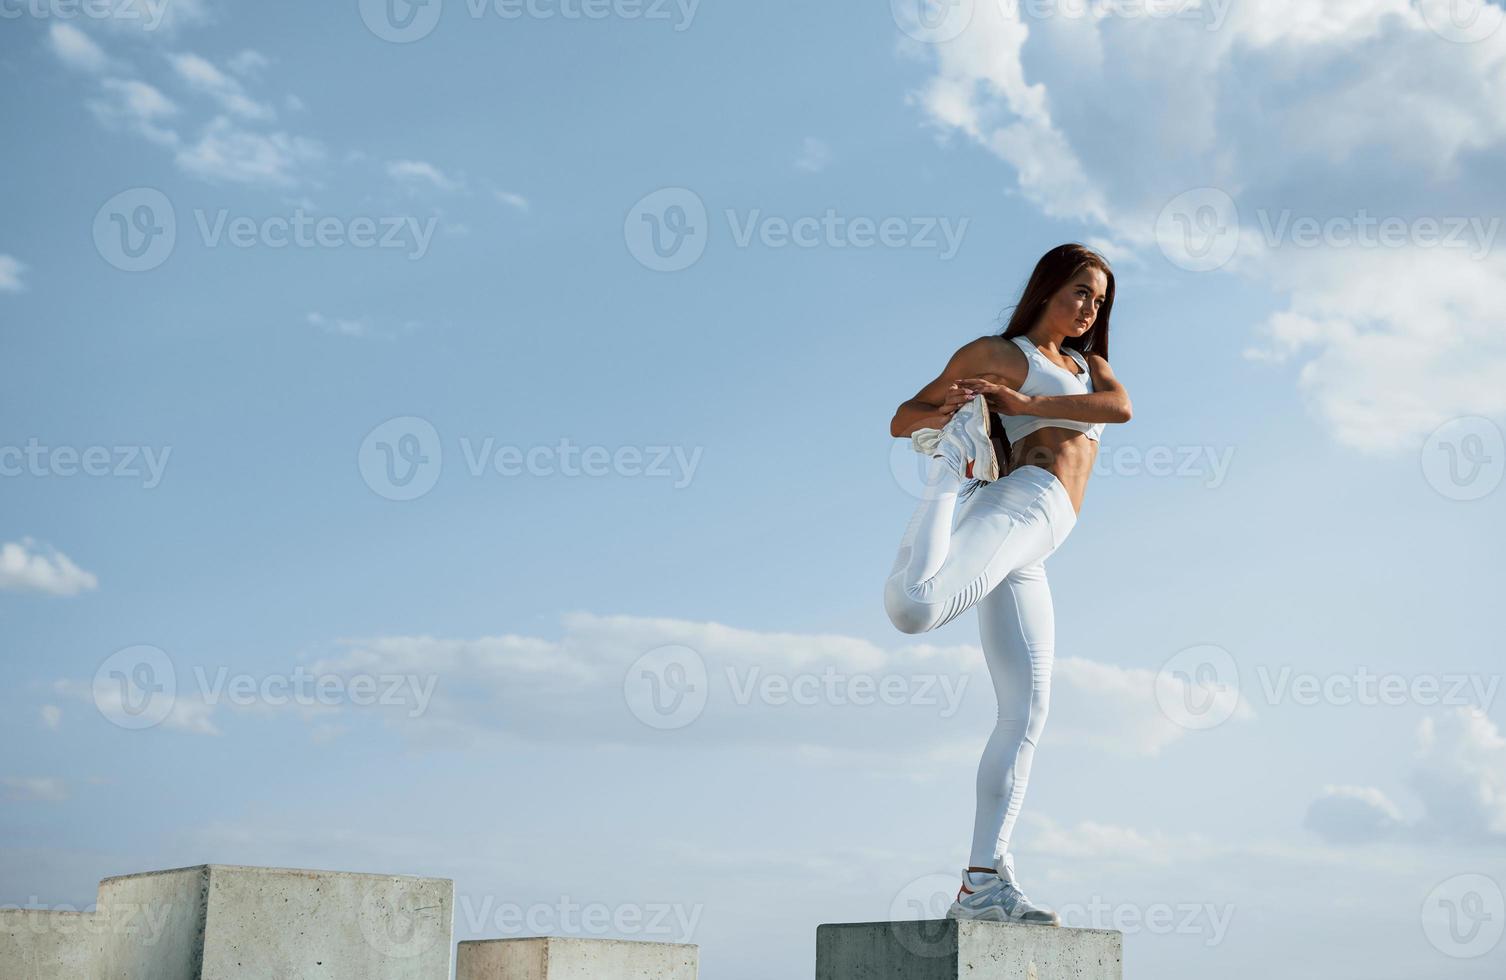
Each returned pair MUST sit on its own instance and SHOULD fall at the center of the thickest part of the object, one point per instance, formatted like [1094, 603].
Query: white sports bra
[1044, 377]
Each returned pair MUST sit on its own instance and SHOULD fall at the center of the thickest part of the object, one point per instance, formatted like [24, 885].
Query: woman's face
[1074, 308]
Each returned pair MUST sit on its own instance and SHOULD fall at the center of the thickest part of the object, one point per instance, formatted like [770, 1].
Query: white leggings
[994, 559]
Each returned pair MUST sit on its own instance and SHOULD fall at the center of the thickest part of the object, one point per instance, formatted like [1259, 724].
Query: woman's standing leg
[1017, 628]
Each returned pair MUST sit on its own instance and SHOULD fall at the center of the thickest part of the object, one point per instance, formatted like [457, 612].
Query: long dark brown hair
[1054, 270]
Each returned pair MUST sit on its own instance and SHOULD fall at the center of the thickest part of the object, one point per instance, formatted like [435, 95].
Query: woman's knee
[907, 613]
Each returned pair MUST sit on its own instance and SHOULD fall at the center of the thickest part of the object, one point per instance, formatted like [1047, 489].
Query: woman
[1047, 384]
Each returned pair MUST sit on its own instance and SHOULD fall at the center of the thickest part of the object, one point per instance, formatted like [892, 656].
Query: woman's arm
[1107, 402]
[933, 406]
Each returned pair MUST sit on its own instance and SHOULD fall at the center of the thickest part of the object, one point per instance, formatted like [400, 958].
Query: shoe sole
[993, 914]
[981, 445]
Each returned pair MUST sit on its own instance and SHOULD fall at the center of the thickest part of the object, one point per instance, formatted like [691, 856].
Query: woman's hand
[1000, 397]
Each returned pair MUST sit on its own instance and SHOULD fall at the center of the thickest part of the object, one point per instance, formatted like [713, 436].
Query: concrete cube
[36, 944]
[948, 949]
[217, 922]
[561, 958]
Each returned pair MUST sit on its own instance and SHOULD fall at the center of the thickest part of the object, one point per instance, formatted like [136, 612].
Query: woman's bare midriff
[1067, 453]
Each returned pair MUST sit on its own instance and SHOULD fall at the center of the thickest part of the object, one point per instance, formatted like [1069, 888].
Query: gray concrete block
[948, 949]
[217, 922]
[36, 944]
[563, 958]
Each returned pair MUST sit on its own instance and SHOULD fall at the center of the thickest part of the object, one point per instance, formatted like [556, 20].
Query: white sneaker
[993, 899]
[964, 442]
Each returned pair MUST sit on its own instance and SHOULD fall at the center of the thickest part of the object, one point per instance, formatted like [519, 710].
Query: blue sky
[515, 362]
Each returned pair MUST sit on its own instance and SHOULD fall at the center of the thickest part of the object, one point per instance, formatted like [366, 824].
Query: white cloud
[1119, 114]
[420, 171]
[10, 274]
[49, 789]
[249, 62]
[27, 566]
[799, 694]
[360, 327]
[226, 152]
[1116, 709]
[189, 711]
[137, 107]
[814, 156]
[52, 716]
[1392, 343]
[202, 76]
[1352, 814]
[1461, 777]
[74, 48]
[510, 199]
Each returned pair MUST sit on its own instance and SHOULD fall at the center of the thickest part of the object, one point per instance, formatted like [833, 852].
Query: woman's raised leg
[942, 571]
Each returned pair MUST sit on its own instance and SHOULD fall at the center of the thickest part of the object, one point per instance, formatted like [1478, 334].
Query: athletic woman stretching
[1048, 379]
